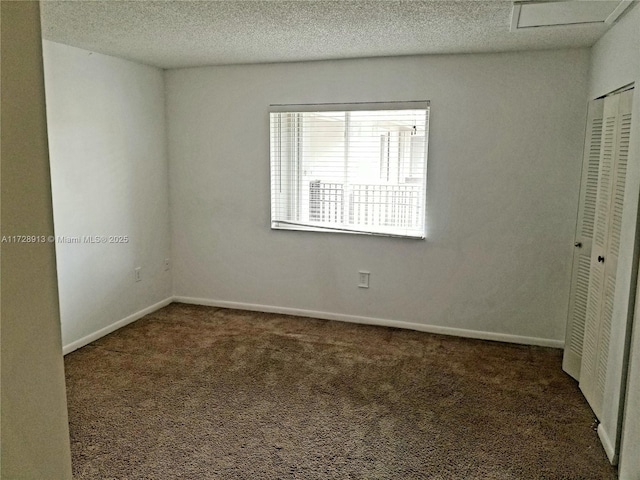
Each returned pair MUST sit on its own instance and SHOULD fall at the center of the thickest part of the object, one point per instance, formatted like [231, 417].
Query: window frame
[294, 109]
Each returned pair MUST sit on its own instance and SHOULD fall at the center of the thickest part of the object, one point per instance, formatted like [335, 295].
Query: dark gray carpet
[204, 393]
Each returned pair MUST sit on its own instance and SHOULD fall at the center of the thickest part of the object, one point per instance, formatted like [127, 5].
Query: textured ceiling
[173, 34]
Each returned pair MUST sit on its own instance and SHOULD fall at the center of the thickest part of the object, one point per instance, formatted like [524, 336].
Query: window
[351, 168]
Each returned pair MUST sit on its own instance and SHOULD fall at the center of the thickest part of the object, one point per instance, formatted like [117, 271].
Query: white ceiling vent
[550, 13]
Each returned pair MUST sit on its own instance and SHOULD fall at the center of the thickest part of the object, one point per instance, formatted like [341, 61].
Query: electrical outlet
[363, 279]
[137, 272]
[167, 264]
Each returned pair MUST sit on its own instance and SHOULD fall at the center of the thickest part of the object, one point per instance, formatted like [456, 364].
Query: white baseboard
[458, 332]
[115, 326]
[608, 445]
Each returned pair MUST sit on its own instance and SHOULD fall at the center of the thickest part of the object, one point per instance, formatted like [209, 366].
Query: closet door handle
[600, 258]
[578, 244]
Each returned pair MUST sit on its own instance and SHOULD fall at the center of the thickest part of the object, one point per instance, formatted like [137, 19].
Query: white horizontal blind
[350, 168]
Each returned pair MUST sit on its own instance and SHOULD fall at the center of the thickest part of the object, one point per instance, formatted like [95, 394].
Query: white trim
[383, 322]
[619, 10]
[349, 107]
[517, 7]
[457, 332]
[608, 445]
[515, 16]
[115, 326]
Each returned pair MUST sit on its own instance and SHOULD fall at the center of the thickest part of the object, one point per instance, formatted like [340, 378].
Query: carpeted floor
[195, 392]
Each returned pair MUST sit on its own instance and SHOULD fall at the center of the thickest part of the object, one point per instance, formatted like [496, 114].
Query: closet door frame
[621, 305]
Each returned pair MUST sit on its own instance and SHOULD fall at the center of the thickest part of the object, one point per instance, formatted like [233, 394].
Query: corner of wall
[35, 430]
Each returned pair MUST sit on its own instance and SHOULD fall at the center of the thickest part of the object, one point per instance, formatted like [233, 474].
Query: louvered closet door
[583, 239]
[606, 245]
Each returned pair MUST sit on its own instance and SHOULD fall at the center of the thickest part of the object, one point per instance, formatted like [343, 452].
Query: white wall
[629, 464]
[615, 63]
[109, 176]
[504, 167]
[615, 60]
[35, 433]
